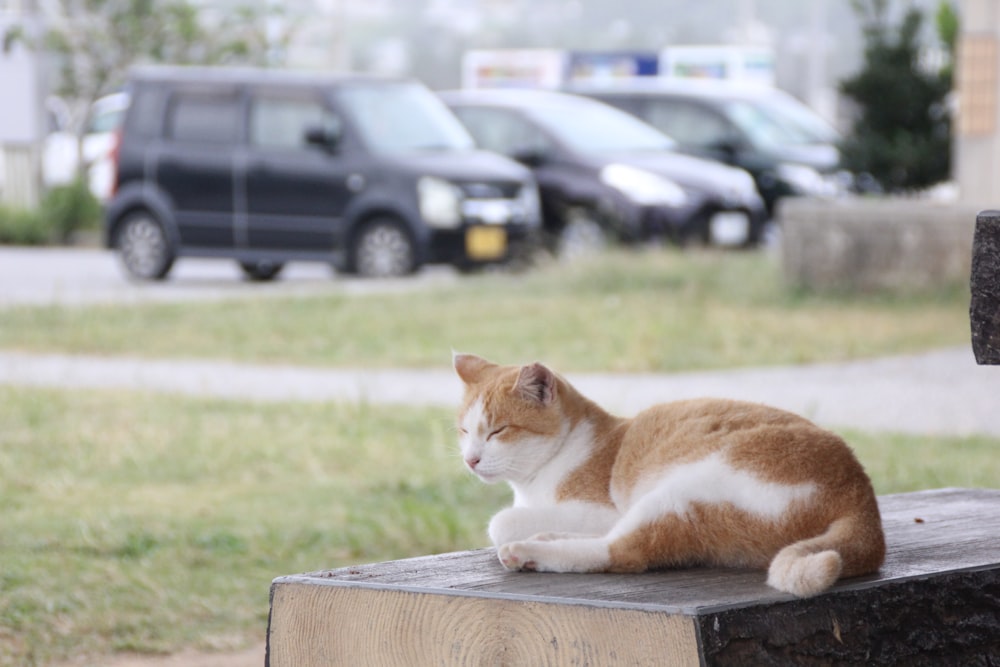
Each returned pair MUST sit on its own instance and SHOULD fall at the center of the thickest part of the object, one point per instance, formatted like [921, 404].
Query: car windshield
[795, 113]
[403, 117]
[596, 128]
[765, 129]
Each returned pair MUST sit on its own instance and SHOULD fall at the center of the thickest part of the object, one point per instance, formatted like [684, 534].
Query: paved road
[74, 276]
[942, 392]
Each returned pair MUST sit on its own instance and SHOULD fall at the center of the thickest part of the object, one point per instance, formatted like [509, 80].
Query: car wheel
[383, 249]
[581, 236]
[261, 271]
[144, 248]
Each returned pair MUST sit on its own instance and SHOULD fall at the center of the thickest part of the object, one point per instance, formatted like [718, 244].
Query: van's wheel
[383, 248]
[143, 247]
[261, 271]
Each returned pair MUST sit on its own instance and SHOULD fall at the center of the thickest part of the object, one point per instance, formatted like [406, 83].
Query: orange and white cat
[707, 481]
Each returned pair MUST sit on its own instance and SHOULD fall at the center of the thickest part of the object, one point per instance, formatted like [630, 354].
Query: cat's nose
[472, 462]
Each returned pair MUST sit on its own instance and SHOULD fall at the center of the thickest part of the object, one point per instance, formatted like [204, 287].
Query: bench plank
[943, 565]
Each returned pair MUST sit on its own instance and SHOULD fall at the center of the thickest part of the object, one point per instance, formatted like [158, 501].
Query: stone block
[866, 245]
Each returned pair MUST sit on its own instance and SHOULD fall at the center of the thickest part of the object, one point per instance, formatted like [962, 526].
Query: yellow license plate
[483, 243]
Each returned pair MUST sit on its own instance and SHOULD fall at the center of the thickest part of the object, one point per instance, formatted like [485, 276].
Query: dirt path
[251, 657]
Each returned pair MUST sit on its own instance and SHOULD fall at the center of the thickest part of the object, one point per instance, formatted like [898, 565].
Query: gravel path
[942, 392]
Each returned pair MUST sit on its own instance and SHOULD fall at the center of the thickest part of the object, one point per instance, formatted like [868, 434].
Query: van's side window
[203, 118]
[277, 122]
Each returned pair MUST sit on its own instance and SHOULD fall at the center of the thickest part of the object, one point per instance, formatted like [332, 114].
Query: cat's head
[510, 421]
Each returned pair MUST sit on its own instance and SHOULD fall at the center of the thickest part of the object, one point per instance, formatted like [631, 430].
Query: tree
[902, 134]
[95, 42]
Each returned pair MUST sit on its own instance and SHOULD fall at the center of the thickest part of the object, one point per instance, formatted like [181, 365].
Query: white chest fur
[573, 450]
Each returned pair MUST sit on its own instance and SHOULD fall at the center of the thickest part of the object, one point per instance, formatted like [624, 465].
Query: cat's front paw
[515, 556]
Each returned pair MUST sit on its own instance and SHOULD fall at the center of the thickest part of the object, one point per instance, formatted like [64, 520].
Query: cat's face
[509, 422]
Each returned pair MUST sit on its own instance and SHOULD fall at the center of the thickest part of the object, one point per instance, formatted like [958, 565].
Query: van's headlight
[440, 202]
[643, 187]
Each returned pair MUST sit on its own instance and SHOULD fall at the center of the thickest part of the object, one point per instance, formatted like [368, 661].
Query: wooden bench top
[941, 544]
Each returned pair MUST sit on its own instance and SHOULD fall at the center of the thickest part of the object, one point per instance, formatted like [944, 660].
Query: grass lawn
[643, 311]
[150, 523]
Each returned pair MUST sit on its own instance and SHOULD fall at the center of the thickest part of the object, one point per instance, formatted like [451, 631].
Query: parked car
[788, 148]
[62, 150]
[603, 173]
[373, 175]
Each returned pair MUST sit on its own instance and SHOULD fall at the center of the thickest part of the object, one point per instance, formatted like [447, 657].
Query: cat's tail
[851, 546]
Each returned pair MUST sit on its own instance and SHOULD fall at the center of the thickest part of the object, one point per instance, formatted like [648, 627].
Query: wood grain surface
[465, 608]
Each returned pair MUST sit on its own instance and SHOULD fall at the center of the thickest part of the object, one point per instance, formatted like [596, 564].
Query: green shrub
[24, 227]
[70, 208]
[902, 134]
[65, 209]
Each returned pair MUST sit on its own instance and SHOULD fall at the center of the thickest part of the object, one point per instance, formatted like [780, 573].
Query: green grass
[649, 311]
[151, 523]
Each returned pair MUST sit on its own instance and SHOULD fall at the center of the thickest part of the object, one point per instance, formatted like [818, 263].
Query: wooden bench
[936, 601]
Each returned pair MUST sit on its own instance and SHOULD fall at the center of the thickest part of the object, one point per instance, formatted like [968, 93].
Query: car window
[502, 131]
[277, 122]
[690, 124]
[789, 111]
[145, 117]
[105, 121]
[402, 117]
[594, 127]
[763, 129]
[203, 118]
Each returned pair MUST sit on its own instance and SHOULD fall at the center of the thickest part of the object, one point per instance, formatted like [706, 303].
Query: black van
[373, 175]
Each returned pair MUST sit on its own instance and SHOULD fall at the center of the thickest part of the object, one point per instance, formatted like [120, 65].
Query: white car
[60, 156]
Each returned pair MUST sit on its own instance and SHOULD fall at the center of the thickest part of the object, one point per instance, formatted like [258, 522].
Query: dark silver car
[600, 170]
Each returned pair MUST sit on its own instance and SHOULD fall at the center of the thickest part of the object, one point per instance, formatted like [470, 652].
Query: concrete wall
[875, 244]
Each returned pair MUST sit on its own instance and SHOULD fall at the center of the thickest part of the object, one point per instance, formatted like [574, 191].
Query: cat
[693, 482]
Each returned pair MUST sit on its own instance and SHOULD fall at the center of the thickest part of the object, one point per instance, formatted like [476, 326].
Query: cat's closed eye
[496, 431]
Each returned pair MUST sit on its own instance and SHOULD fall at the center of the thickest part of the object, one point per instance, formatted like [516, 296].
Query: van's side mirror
[324, 137]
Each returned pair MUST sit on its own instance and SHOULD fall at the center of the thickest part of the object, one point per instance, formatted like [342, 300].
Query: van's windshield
[402, 117]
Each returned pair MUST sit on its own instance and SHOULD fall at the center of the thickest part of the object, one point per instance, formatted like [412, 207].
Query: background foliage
[902, 133]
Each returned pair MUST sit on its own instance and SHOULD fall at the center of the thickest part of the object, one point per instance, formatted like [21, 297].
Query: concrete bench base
[935, 602]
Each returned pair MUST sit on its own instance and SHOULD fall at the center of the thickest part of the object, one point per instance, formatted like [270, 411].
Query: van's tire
[144, 247]
[262, 270]
[383, 248]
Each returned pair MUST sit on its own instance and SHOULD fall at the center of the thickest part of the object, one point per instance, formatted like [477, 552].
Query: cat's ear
[536, 383]
[470, 367]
